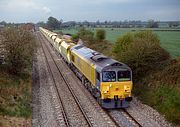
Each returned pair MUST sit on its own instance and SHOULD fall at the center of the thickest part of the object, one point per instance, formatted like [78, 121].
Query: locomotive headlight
[127, 89]
[104, 91]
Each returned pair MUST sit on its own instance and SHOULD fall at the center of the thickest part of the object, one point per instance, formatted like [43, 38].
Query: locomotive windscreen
[124, 75]
[109, 76]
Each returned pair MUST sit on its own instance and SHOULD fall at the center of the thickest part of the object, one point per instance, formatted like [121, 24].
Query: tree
[53, 23]
[75, 37]
[152, 24]
[122, 43]
[86, 35]
[100, 34]
[142, 52]
[19, 49]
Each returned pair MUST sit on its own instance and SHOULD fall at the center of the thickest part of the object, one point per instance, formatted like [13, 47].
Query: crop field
[169, 38]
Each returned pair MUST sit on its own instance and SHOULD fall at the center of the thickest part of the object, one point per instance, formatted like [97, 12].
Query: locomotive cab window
[124, 76]
[109, 76]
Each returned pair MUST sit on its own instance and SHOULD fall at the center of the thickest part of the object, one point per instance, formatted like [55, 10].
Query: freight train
[108, 80]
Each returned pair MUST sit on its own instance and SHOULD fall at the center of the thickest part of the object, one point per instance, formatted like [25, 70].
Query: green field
[170, 40]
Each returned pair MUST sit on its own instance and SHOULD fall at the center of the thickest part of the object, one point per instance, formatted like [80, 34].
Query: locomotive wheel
[86, 85]
[83, 80]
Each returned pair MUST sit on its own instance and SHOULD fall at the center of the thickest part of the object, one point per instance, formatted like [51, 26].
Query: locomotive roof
[97, 58]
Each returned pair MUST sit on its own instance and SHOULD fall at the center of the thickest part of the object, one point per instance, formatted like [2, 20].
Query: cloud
[20, 4]
[103, 1]
[46, 10]
[23, 5]
[94, 2]
[92, 10]
[164, 14]
[112, 1]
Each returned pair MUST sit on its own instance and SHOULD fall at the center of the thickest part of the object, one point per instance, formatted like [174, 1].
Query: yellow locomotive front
[115, 87]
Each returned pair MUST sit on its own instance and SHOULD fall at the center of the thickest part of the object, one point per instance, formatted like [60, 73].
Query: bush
[86, 35]
[165, 98]
[169, 75]
[142, 52]
[19, 47]
[100, 34]
[75, 37]
[161, 91]
[122, 44]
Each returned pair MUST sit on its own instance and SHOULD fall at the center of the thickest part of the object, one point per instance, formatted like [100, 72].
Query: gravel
[146, 115]
[122, 118]
[43, 107]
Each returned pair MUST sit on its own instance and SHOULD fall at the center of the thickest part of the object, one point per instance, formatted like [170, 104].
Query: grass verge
[15, 94]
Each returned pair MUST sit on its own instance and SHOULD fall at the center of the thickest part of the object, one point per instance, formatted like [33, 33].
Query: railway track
[123, 118]
[66, 118]
[89, 121]
[129, 115]
[62, 107]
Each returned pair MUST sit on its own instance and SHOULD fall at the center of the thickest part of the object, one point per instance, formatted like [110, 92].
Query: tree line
[54, 23]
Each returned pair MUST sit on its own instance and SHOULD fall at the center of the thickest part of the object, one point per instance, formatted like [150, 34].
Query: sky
[19, 11]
